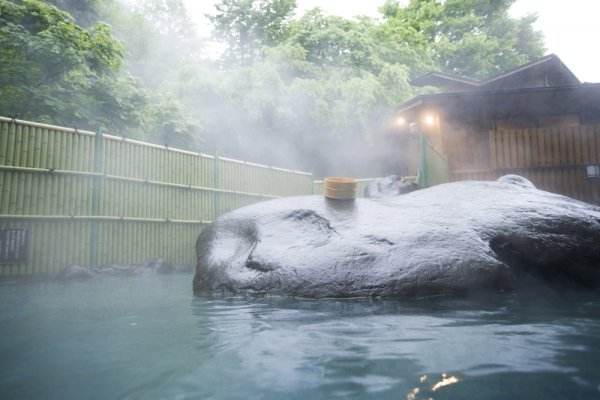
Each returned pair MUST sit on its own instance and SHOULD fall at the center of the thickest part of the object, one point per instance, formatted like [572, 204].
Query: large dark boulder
[449, 239]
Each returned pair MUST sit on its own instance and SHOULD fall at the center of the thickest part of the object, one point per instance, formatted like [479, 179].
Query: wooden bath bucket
[339, 188]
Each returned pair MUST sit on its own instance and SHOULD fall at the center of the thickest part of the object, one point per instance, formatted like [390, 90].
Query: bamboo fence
[92, 198]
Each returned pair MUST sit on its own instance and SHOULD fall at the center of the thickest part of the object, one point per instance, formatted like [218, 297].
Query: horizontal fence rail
[70, 196]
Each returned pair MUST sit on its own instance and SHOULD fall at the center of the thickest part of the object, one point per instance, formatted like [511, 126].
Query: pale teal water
[150, 338]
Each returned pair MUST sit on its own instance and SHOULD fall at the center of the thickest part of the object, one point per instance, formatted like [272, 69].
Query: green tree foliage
[248, 25]
[312, 92]
[51, 67]
[160, 39]
[312, 100]
[52, 70]
[475, 38]
[85, 12]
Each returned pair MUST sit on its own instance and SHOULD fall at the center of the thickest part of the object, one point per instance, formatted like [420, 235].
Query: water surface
[150, 338]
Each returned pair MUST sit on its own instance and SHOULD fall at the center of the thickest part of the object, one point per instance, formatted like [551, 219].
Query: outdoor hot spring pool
[151, 338]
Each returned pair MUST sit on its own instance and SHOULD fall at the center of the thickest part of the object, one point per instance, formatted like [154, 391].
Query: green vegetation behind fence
[91, 199]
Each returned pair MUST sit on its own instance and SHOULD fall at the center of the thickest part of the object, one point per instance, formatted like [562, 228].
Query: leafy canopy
[248, 25]
[286, 91]
[474, 38]
[49, 66]
[52, 70]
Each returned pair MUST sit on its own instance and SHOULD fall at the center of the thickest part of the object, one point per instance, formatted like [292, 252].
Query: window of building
[593, 171]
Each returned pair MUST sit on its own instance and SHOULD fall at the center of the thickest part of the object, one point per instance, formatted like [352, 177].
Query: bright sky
[571, 27]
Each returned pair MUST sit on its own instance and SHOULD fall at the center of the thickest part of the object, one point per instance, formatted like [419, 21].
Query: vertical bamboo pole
[64, 200]
[46, 193]
[5, 194]
[83, 196]
[64, 137]
[12, 192]
[37, 206]
[4, 133]
[37, 148]
[52, 148]
[18, 145]
[3, 183]
[164, 195]
[186, 204]
[29, 140]
[78, 151]
[53, 193]
[10, 148]
[138, 162]
[44, 148]
[187, 166]
[216, 185]
[21, 193]
[116, 200]
[69, 152]
[153, 193]
[154, 165]
[96, 199]
[56, 140]
[166, 169]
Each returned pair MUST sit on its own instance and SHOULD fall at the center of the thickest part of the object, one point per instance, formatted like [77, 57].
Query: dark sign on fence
[14, 245]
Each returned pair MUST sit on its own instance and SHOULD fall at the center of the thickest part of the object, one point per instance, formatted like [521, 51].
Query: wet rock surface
[389, 186]
[449, 239]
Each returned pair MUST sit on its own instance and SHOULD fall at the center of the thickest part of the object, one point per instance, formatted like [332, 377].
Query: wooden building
[538, 121]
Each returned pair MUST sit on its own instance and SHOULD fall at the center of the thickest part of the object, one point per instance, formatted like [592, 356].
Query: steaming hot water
[149, 338]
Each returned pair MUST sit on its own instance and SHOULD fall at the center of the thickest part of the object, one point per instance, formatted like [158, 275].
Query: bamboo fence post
[10, 147]
[96, 187]
[4, 142]
[19, 146]
[216, 185]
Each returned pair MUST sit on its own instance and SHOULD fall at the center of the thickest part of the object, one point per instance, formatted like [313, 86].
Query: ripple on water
[151, 338]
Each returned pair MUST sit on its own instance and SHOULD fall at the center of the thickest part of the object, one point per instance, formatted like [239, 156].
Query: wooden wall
[554, 159]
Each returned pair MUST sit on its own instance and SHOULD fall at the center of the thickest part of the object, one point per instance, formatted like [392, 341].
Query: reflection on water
[149, 337]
